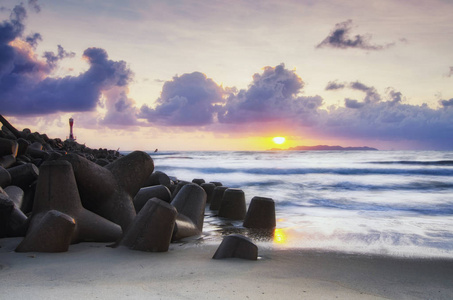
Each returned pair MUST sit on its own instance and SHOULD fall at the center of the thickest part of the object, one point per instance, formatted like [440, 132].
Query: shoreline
[187, 271]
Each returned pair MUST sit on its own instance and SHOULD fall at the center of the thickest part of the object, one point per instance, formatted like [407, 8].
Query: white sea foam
[387, 202]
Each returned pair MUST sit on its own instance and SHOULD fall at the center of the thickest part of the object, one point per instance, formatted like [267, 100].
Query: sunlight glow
[279, 140]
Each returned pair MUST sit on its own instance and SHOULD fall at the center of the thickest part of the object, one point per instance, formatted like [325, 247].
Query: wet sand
[186, 271]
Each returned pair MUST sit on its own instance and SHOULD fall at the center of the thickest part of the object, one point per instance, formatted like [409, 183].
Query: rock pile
[55, 193]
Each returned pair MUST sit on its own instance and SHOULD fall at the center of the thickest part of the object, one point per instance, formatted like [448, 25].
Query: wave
[343, 204]
[423, 186]
[304, 171]
[416, 163]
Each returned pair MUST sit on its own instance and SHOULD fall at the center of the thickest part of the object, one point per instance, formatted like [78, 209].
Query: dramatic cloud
[271, 96]
[25, 83]
[340, 38]
[188, 100]
[389, 120]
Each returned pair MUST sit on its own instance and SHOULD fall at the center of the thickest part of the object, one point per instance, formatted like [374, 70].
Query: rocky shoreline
[56, 193]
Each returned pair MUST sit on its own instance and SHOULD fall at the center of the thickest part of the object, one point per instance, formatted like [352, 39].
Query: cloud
[272, 96]
[53, 58]
[26, 86]
[186, 100]
[340, 38]
[33, 39]
[447, 103]
[34, 5]
[334, 85]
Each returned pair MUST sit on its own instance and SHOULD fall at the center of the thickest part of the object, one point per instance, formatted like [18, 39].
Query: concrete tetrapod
[156, 191]
[52, 233]
[217, 197]
[109, 191]
[57, 190]
[236, 246]
[152, 228]
[261, 213]
[13, 222]
[233, 205]
[209, 189]
[190, 203]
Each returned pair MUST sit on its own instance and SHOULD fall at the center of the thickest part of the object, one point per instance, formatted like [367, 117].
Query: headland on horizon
[325, 147]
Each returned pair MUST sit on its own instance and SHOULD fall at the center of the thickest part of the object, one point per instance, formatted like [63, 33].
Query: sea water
[397, 203]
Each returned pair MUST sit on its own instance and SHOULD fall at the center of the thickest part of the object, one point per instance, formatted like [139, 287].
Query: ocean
[396, 203]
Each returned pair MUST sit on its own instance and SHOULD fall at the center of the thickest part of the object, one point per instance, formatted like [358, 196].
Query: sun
[279, 140]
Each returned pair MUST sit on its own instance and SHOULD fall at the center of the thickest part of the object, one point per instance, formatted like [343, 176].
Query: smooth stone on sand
[191, 202]
[233, 204]
[209, 189]
[236, 246]
[156, 191]
[53, 233]
[152, 228]
[5, 177]
[57, 190]
[217, 197]
[260, 214]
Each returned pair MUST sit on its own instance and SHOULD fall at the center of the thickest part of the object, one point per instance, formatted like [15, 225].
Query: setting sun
[279, 140]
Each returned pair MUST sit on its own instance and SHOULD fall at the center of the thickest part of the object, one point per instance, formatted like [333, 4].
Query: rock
[13, 222]
[57, 190]
[5, 177]
[217, 197]
[198, 181]
[189, 202]
[16, 194]
[109, 191]
[53, 233]
[261, 213]
[23, 175]
[216, 183]
[209, 189]
[7, 161]
[236, 246]
[152, 228]
[8, 147]
[178, 188]
[233, 205]
[158, 178]
[144, 194]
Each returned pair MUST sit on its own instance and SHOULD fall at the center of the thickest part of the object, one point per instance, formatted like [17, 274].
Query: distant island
[325, 147]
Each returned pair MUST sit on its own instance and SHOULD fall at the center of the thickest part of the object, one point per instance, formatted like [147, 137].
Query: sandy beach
[186, 271]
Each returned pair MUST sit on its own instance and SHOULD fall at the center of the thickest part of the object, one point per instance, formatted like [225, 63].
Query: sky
[230, 75]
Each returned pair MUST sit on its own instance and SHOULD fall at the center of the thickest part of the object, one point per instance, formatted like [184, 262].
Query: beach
[186, 271]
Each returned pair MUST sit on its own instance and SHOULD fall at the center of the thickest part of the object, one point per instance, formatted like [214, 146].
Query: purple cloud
[187, 100]
[340, 38]
[271, 96]
[447, 103]
[334, 85]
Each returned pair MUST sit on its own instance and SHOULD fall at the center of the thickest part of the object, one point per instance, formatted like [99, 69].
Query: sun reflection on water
[280, 236]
